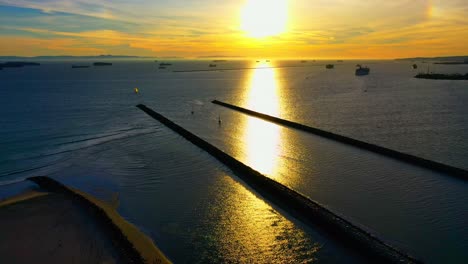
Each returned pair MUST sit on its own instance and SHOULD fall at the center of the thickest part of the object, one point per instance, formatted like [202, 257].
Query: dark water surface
[81, 126]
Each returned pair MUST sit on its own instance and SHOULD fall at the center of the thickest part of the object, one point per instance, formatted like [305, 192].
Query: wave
[73, 146]
[45, 138]
[11, 182]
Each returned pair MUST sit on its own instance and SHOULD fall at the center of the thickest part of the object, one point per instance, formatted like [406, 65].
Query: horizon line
[217, 57]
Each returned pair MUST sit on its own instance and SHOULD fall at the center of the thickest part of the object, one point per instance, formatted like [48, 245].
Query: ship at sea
[79, 66]
[329, 66]
[102, 64]
[360, 71]
[18, 64]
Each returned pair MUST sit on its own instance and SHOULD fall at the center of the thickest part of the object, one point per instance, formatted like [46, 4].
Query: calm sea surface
[81, 127]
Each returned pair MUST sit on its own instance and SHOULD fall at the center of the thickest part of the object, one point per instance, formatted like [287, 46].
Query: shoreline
[134, 246]
[51, 228]
[113, 237]
[22, 197]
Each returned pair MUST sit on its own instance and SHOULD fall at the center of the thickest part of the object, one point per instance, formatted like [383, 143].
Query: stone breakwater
[294, 203]
[408, 158]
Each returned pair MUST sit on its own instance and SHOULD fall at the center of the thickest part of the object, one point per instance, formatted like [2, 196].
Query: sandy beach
[56, 228]
[51, 228]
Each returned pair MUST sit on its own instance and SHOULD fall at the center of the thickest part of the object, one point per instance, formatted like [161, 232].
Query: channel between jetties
[294, 203]
[407, 158]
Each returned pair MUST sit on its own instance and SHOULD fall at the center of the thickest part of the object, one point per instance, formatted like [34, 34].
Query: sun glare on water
[264, 18]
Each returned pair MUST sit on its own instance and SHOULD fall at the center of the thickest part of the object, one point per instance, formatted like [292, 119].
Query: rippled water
[80, 125]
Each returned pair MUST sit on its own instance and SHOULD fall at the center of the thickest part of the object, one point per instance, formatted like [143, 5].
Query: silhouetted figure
[219, 120]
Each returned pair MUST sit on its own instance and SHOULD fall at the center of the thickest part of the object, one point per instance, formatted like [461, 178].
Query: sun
[264, 18]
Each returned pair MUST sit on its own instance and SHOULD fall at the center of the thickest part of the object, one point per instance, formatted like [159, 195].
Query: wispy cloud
[328, 28]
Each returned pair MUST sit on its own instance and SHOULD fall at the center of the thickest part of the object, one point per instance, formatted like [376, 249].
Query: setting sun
[233, 131]
[263, 18]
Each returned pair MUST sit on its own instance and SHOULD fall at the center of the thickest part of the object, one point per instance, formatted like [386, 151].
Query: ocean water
[81, 126]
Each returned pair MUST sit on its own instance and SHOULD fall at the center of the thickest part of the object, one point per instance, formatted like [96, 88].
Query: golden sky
[235, 28]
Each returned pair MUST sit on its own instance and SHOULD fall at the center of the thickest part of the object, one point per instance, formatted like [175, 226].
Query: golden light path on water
[262, 139]
[251, 231]
[253, 226]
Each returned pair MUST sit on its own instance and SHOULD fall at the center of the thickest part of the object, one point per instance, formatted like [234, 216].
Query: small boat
[79, 66]
[258, 61]
[136, 90]
[360, 71]
[415, 66]
[102, 64]
[165, 64]
[212, 65]
[329, 66]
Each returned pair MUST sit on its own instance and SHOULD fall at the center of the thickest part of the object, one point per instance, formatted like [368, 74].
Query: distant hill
[449, 58]
[67, 57]
[219, 56]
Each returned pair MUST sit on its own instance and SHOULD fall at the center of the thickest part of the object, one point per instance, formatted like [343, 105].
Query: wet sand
[51, 229]
[55, 227]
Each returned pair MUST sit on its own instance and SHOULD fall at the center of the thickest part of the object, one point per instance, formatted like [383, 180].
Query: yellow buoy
[136, 90]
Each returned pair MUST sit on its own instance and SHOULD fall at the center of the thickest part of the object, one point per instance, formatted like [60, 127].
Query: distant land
[440, 76]
[67, 57]
[109, 56]
[171, 57]
[218, 56]
[448, 58]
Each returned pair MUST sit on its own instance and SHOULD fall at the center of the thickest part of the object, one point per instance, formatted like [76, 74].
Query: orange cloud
[318, 29]
[27, 46]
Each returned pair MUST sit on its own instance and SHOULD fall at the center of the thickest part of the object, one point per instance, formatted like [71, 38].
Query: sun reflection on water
[262, 139]
[249, 230]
